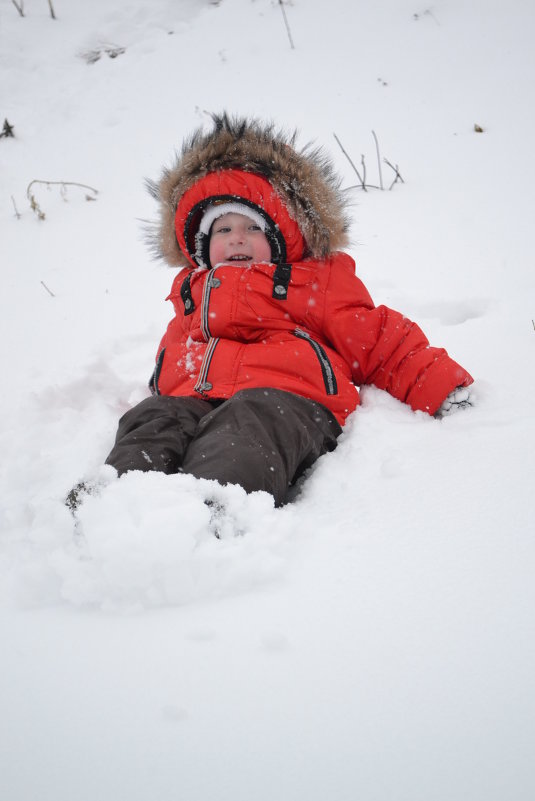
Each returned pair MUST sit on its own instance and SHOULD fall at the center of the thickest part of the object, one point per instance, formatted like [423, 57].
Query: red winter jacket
[310, 328]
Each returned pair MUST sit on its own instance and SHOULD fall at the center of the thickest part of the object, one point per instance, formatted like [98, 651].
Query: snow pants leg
[261, 439]
[155, 434]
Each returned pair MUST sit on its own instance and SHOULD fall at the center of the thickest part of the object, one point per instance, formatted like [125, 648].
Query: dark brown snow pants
[261, 439]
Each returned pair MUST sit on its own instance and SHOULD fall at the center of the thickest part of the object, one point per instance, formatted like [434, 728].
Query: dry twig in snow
[19, 6]
[64, 184]
[281, 4]
[48, 290]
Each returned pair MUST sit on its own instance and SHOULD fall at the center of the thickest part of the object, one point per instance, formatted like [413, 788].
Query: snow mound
[148, 540]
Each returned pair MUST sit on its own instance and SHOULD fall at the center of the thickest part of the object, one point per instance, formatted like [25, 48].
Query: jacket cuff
[436, 383]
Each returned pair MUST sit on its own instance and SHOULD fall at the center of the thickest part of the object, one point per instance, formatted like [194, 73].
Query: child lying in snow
[273, 332]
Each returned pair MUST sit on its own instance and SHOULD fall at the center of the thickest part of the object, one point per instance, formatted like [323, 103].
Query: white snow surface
[375, 638]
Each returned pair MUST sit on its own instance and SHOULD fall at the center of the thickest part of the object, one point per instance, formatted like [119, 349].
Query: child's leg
[262, 439]
[155, 434]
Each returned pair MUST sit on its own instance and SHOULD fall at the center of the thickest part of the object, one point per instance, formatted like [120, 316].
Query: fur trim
[304, 180]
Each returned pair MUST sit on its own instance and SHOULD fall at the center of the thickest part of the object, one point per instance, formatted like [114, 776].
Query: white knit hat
[216, 210]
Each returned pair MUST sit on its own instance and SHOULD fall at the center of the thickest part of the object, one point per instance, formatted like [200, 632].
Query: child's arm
[383, 347]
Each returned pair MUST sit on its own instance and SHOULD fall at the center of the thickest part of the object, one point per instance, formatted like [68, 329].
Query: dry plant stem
[281, 4]
[363, 171]
[48, 290]
[397, 172]
[51, 7]
[430, 13]
[368, 186]
[19, 6]
[363, 185]
[398, 177]
[7, 130]
[34, 205]
[378, 160]
[362, 178]
[17, 212]
[58, 183]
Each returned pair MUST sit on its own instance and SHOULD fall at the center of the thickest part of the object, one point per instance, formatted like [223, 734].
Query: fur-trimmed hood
[242, 157]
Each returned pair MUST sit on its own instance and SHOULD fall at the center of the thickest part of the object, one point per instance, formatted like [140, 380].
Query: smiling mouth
[240, 257]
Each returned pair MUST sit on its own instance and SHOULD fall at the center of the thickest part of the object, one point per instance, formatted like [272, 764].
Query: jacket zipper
[329, 378]
[203, 385]
[205, 304]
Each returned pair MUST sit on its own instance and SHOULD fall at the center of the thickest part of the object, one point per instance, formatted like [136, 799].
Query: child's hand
[460, 398]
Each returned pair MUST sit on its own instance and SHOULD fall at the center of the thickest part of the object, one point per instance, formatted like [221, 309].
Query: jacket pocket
[329, 378]
[153, 380]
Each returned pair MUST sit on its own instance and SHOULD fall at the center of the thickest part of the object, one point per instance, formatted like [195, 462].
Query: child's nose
[238, 236]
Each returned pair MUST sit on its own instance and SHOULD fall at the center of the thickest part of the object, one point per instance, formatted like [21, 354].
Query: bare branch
[368, 186]
[59, 183]
[397, 172]
[19, 6]
[17, 212]
[52, 13]
[378, 159]
[363, 185]
[34, 205]
[281, 4]
[48, 290]
[362, 177]
[429, 12]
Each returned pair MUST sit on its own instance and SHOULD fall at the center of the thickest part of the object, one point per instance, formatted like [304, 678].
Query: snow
[374, 639]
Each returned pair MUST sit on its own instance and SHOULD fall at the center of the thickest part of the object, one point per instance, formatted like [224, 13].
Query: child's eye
[223, 230]
[254, 227]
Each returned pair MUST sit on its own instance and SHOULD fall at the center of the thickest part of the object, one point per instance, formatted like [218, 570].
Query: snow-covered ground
[375, 639]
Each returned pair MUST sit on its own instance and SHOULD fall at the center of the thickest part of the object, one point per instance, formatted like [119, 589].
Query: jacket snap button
[215, 283]
[280, 290]
[206, 387]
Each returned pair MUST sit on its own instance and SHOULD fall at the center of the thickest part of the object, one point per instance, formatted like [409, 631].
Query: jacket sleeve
[383, 347]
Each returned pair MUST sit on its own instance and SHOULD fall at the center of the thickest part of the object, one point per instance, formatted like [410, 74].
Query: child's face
[239, 240]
